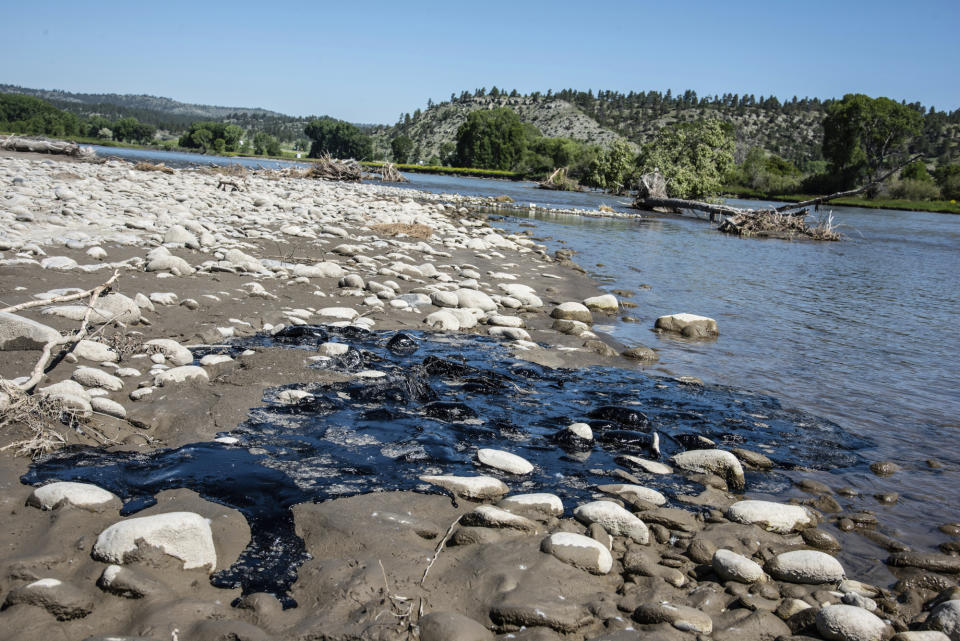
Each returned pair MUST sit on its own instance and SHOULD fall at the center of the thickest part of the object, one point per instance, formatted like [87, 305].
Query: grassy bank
[452, 171]
[937, 206]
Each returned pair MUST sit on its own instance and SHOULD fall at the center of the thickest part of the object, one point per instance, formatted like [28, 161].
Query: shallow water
[440, 399]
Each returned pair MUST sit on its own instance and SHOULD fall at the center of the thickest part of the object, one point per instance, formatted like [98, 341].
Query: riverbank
[201, 266]
[936, 206]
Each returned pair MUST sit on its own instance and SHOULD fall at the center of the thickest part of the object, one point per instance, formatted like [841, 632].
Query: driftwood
[786, 221]
[558, 181]
[329, 168]
[389, 173]
[44, 146]
[72, 340]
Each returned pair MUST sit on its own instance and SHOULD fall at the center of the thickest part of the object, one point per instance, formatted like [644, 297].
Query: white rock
[182, 535]
[614, 519]
[82, 495]
[333, 349]
[442, 320]
[94, 351]
[504, 461]
[719, 462]
[581, 430]
[468, 318]
[805, 566]
[92, 377]
[344, 313]
[215, 359]
[572, 311]
[108, 407]
[505, 321]
[513, 333]
[490, 516]
[579, 551]
[59, 263]
[606, 303]
[731, 566]
[648, 466]
[164, 298]
[171, 350]
[243, 262]
[177, 234]
[143, 302]
[773, 517]
[634, 493]
[474, 298]
[19, 333]
[97, 253]
[183, 374]
[541, 502]
[945, 618]
[470, 487]
[293, 396]
[690, 325]
[849, 623]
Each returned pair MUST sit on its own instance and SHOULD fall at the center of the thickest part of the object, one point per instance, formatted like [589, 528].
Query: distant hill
[792, 129]
[166, 113]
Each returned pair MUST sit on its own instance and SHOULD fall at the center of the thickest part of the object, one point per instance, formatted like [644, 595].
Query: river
[861, 332]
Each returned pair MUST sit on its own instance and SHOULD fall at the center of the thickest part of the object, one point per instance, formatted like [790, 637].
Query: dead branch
[436, 552]
[558, 181]
[40, 369]
[329, 168]
[816, 202]
[42, 146]
[61, 299]
[390, 173]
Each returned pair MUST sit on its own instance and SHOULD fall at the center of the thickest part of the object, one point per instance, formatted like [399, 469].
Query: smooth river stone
[579, 551]
[773, 517]
[478, 488]
[504, 461]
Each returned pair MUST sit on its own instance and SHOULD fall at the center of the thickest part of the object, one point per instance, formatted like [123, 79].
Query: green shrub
[913, 189]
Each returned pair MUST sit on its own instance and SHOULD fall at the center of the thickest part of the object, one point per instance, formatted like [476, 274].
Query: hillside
[792, 130]
[439, 123]
[165, 113]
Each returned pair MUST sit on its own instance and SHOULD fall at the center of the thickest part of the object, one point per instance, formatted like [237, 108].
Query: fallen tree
[558, 181]
[44, 146]
[786, 221]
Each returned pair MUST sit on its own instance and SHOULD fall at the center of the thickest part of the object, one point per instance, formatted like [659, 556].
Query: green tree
[401, 146]
[613, 168]
[948, 178]
[265, 145]
[863, 136]
[916, 170]
[491, 139]
[130, 129]
[693, 156]
[208, 135]
[338, 138]
[28, 115]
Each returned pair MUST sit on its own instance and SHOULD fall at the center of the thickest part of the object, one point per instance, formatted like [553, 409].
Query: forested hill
[165, 113]
[792, 129]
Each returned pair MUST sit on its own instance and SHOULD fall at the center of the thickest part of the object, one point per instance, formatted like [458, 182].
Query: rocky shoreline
[201, 264]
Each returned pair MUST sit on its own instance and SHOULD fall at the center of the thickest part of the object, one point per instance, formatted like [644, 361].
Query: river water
[861, 332]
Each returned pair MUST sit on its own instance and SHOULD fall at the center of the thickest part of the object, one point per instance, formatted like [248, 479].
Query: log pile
[390, 174]
[329, 168]
[44, 146]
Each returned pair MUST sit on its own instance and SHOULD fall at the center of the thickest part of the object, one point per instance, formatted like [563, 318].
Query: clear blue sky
[369, 61]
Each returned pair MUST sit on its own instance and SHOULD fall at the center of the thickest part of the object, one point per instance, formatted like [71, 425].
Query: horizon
[313, 61]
